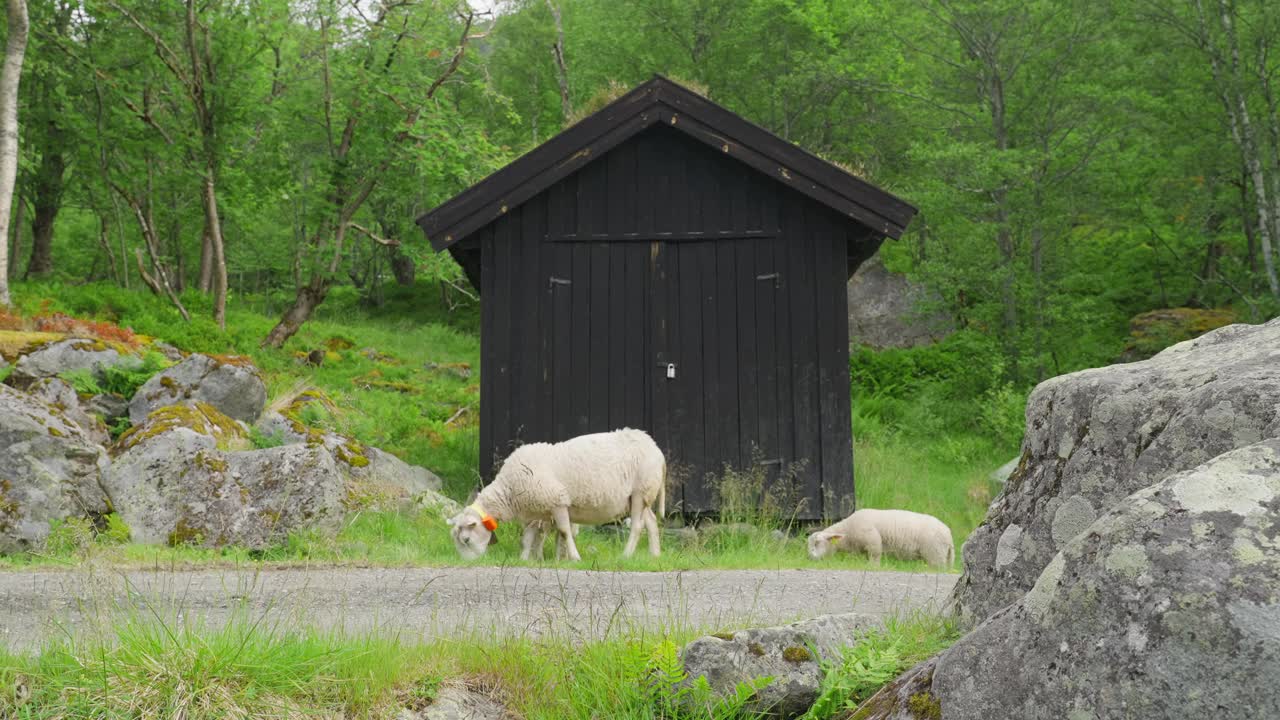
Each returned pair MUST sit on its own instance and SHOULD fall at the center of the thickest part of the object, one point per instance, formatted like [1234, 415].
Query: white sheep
[901, 533]
[590, 479]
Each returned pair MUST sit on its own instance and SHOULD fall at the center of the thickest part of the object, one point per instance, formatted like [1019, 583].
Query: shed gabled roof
[663, 101]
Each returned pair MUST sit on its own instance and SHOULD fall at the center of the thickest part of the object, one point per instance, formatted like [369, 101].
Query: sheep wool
[902, 534]
[590, 479]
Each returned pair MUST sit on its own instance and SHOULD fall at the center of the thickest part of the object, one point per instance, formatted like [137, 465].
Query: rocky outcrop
[885, 310]
[179, 488]
[786, 653]
[1168, 606]
[61, 356]
[1095, 437]
[231, 384]
[198, 418]
[49, 470]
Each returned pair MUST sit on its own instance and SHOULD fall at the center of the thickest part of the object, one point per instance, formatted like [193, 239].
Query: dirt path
[421, 603]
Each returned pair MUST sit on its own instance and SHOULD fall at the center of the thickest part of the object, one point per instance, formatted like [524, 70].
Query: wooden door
[715, 377]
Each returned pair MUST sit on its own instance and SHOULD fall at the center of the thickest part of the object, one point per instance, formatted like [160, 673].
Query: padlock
[671, 370]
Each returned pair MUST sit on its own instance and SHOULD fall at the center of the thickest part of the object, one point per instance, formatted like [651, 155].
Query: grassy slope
[944, 476]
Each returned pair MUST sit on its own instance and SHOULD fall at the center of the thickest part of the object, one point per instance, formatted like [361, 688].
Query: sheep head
[473, 531]
[823, 543]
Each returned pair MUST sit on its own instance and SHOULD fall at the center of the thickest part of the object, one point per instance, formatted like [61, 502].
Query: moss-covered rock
[53, 358]
[790, 654]
[198, 417]
[230, 383]
[16, 343]
[178, 488]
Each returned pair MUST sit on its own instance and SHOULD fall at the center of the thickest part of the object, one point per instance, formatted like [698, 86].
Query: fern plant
[675, 697]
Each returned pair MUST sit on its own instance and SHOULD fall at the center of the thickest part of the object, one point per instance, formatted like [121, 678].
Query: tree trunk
[15, 237]
[15, 49]
[104, 239]
[41, 262]
[219, 259]
[206, 262]
[308, 299]
[562, 70]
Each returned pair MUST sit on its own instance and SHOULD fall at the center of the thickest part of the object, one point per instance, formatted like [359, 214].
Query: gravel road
[421, 603]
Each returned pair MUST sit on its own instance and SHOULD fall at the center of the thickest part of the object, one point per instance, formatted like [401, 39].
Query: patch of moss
[337, 342]
[8, 505]
[756, 649]
[216, 464]
[200, 417]
[55, 432]
[241, 361]
[925, 706]
[797, 654]
[16, 343]
[722, 635]
[352, 453]
[184, 534]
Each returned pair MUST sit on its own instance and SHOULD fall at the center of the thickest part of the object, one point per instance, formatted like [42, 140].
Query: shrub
[125, 381]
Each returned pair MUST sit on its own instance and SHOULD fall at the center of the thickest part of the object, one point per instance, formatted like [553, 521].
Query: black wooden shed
[665, 264]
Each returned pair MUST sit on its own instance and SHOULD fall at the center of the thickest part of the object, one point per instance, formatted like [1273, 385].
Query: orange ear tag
[486, 519]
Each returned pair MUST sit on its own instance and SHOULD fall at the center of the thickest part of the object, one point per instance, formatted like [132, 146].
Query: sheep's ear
[833, 537]
[493, 537]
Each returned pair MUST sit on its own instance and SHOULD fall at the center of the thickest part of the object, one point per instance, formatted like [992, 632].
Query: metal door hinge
[553, 281]
[775, 277]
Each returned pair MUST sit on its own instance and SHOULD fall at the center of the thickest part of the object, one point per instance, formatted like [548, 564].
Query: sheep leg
[561, 515]
[532, 540]
[638, 520]
[655, 537]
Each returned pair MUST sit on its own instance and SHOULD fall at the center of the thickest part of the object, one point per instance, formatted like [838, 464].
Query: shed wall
[663, 251]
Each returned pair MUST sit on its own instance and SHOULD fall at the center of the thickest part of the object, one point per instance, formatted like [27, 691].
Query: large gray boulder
[231, 384]
[49, 470]
[786, 653]
[886, 310]
[177, 487]
[59, 394]
[1095, 437]
[1168, 606]
[62, 356]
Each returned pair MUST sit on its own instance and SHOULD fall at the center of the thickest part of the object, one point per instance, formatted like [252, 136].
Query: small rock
[778, 535]
[457, 702]
[170, 352]
[231, 384]
[784, 653]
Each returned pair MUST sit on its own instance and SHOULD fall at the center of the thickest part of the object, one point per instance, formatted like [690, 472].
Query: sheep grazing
[900, 533]
[591, 479]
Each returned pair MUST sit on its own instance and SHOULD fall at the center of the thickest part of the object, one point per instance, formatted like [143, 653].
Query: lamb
[590, 479]
[901, 533]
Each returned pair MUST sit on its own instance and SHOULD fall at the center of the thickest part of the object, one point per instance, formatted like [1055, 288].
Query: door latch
[671, 371]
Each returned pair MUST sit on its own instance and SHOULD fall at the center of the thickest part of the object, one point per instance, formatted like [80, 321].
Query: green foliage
[68, 537]
[877, 657]
[115, 530]
[83, 381]
[124, 380]
[675, 696]
[956, 386]
[119, 427]
[261, 440]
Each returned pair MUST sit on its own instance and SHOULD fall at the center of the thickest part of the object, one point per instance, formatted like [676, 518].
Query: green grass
[149, 666]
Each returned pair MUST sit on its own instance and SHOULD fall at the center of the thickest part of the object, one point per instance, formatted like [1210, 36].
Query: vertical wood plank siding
[665, 251]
